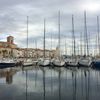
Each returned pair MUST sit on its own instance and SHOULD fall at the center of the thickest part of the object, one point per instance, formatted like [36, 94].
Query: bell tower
[10, 39]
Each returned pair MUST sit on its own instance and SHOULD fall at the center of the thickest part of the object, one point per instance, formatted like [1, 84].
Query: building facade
[10, 49]
[6, 48]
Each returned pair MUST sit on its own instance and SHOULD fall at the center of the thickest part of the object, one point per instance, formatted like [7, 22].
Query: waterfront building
[36, 53]
[9, 43]
[6, 48]
[10, 49]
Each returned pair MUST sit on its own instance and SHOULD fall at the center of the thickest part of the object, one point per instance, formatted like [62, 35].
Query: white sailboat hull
[27, 64]
[71, 62]
[58, 63]
[44, 63]
[85, 62]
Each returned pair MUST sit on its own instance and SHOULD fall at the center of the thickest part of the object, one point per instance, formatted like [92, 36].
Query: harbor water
[38, 83]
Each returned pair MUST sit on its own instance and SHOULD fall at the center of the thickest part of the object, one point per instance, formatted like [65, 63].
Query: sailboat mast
[51, 47]
[59, 32]
[98, 34]
[73, 37]
[44, 41]
[85, 32]
[27, 57]
[27, 36]
[81, 44]
[36, 49]
[96, 48]
[65, 48]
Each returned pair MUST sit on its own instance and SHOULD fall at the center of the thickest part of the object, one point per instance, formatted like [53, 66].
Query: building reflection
[9, 78]
[8, 75]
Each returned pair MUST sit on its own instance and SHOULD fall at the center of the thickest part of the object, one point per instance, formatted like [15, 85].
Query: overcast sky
[13, 15]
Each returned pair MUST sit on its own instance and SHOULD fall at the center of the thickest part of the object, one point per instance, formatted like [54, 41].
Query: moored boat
[96, 64]
[44, 62]
[27, 62]
[85, 62]
[58, 63]
[4, 63]
[72, 63]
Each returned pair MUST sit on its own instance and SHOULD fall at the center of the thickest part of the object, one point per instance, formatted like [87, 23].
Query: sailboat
[72, 62]
[27, 62]
[58, 62]
[44, 62]
[86, 60]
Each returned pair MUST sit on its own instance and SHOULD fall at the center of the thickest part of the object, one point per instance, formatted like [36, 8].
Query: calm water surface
[36, 83]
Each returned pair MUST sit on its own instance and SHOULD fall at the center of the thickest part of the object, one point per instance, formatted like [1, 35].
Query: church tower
[10, 39]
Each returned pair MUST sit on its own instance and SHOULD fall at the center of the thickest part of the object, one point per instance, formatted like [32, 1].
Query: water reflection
[8, 74]
[26, 85]
[45, 84]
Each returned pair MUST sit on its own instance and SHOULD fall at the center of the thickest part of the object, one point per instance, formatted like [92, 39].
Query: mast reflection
[26, 86]
[43, 70]
[59, 76]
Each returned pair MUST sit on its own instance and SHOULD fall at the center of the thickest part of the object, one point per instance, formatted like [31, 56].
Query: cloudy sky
[13, 15]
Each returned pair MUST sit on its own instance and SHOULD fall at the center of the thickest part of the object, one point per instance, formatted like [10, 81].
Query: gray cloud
[13, 19]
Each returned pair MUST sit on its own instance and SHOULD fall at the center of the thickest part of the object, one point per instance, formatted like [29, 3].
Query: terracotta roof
[7, 42]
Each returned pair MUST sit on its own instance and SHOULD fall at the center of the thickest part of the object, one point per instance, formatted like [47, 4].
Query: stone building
[6, 48]
[9, 43]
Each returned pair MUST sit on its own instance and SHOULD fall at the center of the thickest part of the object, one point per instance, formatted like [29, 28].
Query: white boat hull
[85, 63]
[71, 62]
[58, 63]
[27, 64]
[44, 63]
